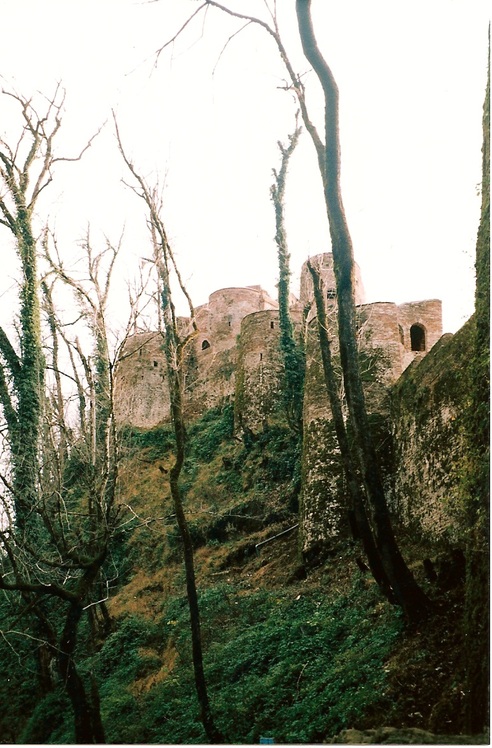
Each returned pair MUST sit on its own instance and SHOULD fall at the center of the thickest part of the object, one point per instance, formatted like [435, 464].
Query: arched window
[205, 345]
[417, 338]
[272, 325]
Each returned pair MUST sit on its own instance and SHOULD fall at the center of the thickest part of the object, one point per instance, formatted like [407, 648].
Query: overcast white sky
[412, 80]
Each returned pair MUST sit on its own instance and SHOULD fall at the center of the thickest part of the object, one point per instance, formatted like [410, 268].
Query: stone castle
[235, 356]
[236, 351]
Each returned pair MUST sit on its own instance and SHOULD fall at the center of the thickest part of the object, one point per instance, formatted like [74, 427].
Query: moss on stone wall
[324, 511]
[430, 403]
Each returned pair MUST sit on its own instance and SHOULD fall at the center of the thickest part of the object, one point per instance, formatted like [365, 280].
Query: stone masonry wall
[258, 395]
[323, 506]
[259, 370]
[141, 393]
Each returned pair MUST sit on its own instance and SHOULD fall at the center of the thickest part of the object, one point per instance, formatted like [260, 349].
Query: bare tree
[174, 345]
[59, 476]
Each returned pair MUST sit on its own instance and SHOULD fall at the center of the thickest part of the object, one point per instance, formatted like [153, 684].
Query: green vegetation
[297, 657]
[295, 666]
[156, 443]
[283, 665]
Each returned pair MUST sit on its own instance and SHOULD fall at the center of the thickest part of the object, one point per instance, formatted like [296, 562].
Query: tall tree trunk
[409, 595]
[292, 352]
[348, 460]
[173, 359]
[87, 720]
[173, 349]
[25, 443]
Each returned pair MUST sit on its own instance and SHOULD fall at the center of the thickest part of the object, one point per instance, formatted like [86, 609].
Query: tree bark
[213, 734]
[173, 349]
[349, 462]
[409, 595]
[87, 720]
[292, 352]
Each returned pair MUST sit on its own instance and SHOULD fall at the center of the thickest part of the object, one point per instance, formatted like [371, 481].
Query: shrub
[206, 435]
[157, 442]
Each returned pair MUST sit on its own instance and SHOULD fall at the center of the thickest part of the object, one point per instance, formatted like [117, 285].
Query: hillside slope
[295, 653]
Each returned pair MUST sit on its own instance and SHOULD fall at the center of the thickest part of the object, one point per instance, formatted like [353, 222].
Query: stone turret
[260, 368]
[324, 265]
[141, 396]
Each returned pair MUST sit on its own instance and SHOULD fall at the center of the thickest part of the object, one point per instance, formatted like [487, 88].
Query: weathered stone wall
[258, 396]
[228, 307]
[324, 501]
[258, 385]
[384, 351]
[323, 510]
[426, 315]
[141, 393]
[428, 406]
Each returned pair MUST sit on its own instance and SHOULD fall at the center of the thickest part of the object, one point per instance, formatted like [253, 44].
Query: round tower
[324, 264]
[141, 396]
[258, 371]
[228, 306]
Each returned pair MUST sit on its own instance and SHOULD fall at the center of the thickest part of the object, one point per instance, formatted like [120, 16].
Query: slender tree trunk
[348, 460]
[409, 595]
[173, 349]
[25, 443]
[292, 352]
[175, 388]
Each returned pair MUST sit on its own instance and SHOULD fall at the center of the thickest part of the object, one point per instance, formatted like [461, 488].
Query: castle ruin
[235, 356]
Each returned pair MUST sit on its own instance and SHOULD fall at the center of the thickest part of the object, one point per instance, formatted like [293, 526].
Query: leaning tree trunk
[409, 595]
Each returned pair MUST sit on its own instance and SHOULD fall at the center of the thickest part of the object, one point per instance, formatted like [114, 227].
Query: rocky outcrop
[429, 403]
